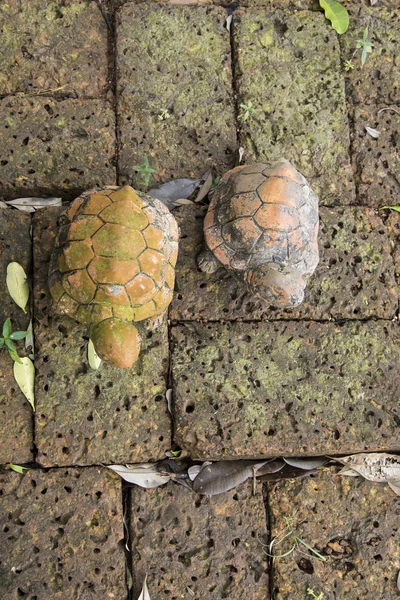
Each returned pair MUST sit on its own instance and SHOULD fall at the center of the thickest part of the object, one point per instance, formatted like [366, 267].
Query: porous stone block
[355, 277]
[85, 416]
[61, 535]
[16, 435]
[378, 81]
[288, 72]
[352, 522]
[175, 99]
[192, 546]
[50, 147]
[377, 160]
[53, 46]
[247, 390]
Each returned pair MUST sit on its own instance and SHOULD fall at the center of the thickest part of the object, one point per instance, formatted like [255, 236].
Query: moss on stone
[289, 69]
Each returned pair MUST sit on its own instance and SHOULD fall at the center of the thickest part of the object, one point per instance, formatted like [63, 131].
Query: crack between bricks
[233, 57]
[342, 321]
[270, 560]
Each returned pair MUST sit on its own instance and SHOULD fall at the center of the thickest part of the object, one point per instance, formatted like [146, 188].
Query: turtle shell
[263, 213]
[115, 256]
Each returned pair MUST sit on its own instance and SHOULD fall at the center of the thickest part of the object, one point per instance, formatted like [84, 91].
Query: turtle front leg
[154, 323]
[207, 262]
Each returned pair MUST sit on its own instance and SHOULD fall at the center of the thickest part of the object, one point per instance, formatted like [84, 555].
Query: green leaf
[336, 14]
[10, 345]
[397, 208]
[18, 335]
[17, 285]
[18, 468]
[176, 453]
[24, 375]
[93, 358]
[1, 342]
[15, 356]
[7, 328]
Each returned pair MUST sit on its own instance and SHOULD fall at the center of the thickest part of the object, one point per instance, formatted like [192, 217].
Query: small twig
[388, 108]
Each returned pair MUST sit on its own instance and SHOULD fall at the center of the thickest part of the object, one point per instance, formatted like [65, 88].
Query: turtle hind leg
[207, 262]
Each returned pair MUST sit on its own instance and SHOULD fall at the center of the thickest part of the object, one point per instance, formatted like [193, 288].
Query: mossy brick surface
[355, 277]
[53, 46]
[288, 69]
[55, 147]
[85, 416]
[16, 436]
[61, 535]
[246, 390]
[174, 59]
[193, 546]
[377, 161]
[378, 81]
[352, 522]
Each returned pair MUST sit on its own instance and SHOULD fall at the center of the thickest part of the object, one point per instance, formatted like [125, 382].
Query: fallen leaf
[194, 471]
[395, 486]
[17, 284]
[374, 466]
[30, 205]
[272, 466]
[373, 132]
[336, 14]
[172, 191]
[228, 22]
[182, 202]
[145, 592]
[373, 2]
[145, 475]
[168, 395]
[24, 375]
[222, 476]
[3, 204]
[205, 188]
[18, 468]
[306, 463]
[398, 581]
[93, 358]
[29, 342]
[287, 472]
[241, 154]
[396, 208]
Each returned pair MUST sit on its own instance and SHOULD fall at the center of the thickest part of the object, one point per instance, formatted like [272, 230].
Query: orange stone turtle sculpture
[114, 264]
[262, 225]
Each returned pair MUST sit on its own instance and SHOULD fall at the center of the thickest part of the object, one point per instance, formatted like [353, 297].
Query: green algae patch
[288, 68]
[175, 100]
[286, 388]
[355, 277]
[378, 81]
[40, 156]
[53, 46]
[85, 416]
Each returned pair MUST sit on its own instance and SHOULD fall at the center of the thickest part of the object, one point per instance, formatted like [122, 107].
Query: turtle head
[282, 287]
[116, 341]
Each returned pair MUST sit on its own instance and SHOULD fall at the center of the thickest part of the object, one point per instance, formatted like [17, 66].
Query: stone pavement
[90, 90]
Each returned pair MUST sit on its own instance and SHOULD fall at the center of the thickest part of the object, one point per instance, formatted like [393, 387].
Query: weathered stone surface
[355, 277]
[61, 535]
[85, 416]
[193, 546]
[52, 147]
[377, 161]
[175, 60]
[16, 434]
[53, 46]
[297, 90]
[353, 522]
[251, 389]
[378, 81]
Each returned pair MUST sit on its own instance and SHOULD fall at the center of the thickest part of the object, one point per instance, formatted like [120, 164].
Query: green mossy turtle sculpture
[114, 264]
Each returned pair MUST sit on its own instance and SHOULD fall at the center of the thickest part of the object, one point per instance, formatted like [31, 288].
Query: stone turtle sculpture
[114, 264]
[262, 225]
